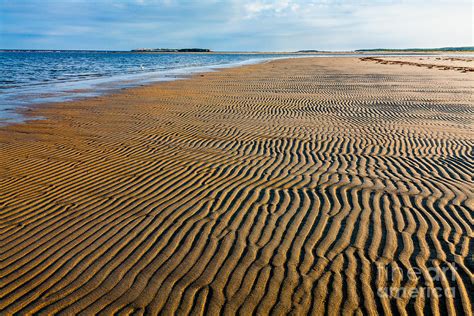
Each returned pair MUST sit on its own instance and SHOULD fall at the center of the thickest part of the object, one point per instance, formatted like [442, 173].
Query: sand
[299, 186]
[462, 64]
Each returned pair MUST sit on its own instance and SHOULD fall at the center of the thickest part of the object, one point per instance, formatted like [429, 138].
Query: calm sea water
[28, 78]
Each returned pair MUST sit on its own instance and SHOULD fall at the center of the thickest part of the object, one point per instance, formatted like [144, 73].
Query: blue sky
[244, 25]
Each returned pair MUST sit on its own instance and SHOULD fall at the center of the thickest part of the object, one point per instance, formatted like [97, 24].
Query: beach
[297, 186]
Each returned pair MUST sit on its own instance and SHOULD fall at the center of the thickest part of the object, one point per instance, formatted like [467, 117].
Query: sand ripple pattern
[304, 186]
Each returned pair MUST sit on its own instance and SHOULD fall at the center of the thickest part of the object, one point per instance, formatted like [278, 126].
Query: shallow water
[28, 78]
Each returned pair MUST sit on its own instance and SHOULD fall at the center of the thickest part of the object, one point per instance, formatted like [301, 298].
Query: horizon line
[137, 50]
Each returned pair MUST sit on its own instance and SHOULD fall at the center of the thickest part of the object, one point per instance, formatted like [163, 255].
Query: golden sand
[302, 186]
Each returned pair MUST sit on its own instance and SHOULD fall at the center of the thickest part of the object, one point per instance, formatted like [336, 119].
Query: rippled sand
[303, 186]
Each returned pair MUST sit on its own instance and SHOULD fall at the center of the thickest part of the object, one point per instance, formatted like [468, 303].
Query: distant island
[171, 50]
[206, 50]
[442, 49]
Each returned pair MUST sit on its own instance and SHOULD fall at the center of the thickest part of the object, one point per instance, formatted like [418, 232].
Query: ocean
[28, 78]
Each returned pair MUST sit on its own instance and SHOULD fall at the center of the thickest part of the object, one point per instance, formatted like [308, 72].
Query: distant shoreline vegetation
[171, 50]
[442, 49]
[309, 51]
[206, 50]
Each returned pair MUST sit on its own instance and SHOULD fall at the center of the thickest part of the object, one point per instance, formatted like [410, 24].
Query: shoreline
[83, 89]
[68, 91]
[296, 185]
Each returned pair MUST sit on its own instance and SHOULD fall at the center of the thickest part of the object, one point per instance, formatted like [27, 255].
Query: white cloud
[283, 25]
[255, 8]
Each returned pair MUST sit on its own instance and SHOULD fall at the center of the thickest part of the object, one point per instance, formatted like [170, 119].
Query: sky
[235, 25]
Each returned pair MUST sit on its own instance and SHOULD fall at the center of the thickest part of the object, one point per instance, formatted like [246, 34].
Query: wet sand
[299, 186]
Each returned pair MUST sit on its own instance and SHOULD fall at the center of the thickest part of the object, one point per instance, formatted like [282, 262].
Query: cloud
[254, 8]
[281, 25]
